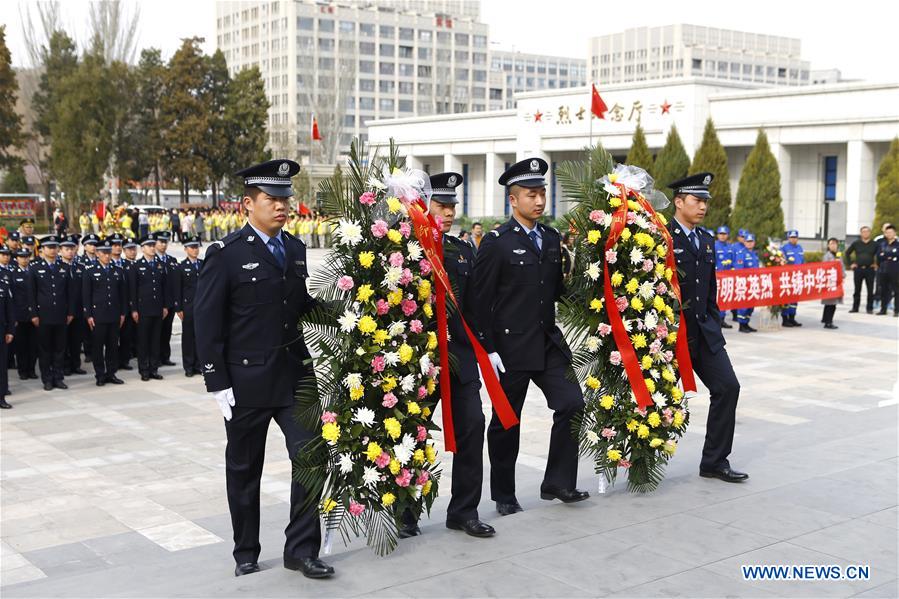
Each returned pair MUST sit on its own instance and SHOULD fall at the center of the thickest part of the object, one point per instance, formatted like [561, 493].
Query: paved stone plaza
[119, 492]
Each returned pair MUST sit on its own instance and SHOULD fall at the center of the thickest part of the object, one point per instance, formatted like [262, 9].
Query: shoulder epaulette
[503, 228]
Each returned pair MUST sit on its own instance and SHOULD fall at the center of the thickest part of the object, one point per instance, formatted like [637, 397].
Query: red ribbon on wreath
[432, 245]
[622, 340]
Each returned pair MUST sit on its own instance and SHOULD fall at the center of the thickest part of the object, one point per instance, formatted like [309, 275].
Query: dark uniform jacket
[146, 287]
[171, 264]
[76, 277]
[7, 318]
[185, 284]
[458, 259]
[888, 257]
[698, 285]
[516, 287]
[104, 293]
[247, 314]
[49, 288]
[22, 295]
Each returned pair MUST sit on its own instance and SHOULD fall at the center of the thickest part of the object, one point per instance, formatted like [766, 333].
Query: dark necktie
[535, 239]
[692, 238]
[277, 250]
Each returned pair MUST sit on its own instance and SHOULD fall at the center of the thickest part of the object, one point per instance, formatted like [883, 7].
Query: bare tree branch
[112, 23]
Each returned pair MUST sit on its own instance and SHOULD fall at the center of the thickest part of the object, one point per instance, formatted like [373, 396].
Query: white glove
[225, 400]
[497, 364]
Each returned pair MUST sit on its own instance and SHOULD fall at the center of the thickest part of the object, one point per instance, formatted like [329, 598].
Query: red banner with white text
[775, 285]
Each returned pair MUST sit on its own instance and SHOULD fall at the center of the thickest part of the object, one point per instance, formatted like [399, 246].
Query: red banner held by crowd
[753, 287]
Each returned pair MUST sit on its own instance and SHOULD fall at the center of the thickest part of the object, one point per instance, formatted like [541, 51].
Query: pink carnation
[667, 355]
[367, 198]
[432, 371]
[598, 216]
[647, 265]
[382, 307]
[640, 411]
[378, 363]
[615, 358]
[356, 509]
[379, 229]
[661, 331]
[422, 434]
[329, 417]
[425, 267]
[604, 329]
[608, 433]
[611, 256]
[415, 326]
[668, 415]
[624, 464]
[422, 393]
[382, 460]
[655, 347]
[406, 277]
[396, 259]
[621, 303]
[409, 307]
[405, 229]
[345, 283]
[631, 217]
[661, 288]
[404, 478]
[423, 477]
[390, 400]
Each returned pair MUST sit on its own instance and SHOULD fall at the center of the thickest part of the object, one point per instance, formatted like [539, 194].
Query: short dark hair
[889, 226]
[477, 224]
[833, 239]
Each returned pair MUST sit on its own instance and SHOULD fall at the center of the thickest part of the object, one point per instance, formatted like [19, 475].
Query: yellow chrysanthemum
[671, 338]
[654, 419]
[660, 269]
[394, 205]
[645, 362]
[650, 385]
[430, 454]
[592, 382]
[670, 447]
[678, 419]
[387, 499]
[634, 206]
[426, 488]
[426, 412]
[405, 352]
[614, 202]
[380, 337]
[412, 408]
[625, 234]
[596, 304]
[613, 177]
[658, 303]
[432, 340]
[428, 310]
[661, 250]
[393, 427]
[367, 325]
[639, 340]
[614, 455]
[668, 273]
[366, 259]
[395, 297]
[632, 286]
[632, 425]
[656, 443]
[676, 394]
[331, 431]
[388, 384]
[394, 236]
[662, 218]
[607, 402]
[642, 431]
[328, 505]
[669, 314]
[395, 466]
[637, 304]
[357, 392]
[430, 386]
[418, 457]
[593, 236]
[363, 293]
[668, 375]
[373, 451]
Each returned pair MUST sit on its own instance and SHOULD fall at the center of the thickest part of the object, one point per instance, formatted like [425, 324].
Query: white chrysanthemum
[376, 183]
[647, 290]
[655, 374]
[658, 398]
[391, 358]
[592, 271]
[348, 232]
[346, 463]
[405, 449]
[407, 383]
[396, 328]
[392, 277]
[425, 363]
[628, 324]
[651, 320]
[414, 250]
[607, 221]
[611, 189]
[359, 351]
[415, 491]
[641, 221]
[370, 476]
[636, 256]
[592, 343]
[348, 322]
[592, 437]
[364, 416]
[354, 379]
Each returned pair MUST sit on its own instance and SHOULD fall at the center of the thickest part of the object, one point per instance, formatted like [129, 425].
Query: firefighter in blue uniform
[7, 329]
[185, 278]
[105, 299]
[746, 258]
[26, 333]
[468, 416]
[147, 304]
[250, 298]
[171, 263]
[695, 257]
[724, 260]
[518, 279]
[50, 311]
[794, 254]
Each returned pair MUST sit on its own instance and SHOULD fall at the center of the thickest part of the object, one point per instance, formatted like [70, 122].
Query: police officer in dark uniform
[147, 303]
[76, 331]
[171, 263]
[14, 242]
[468, 416]
[185, 278]
[6, 266]
[518, 279]
[250, 297]
[128, 332]
[7, 327]
[694, 251]
[89, 242]
[50, 312]
[104, 298]
[25, 339]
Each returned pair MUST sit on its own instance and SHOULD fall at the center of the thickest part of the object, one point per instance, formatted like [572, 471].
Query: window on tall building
[461, 39]
[385, 49]
[830, 178]
[424, 89]
[460, 107]
[347, 46]
[480, 75]
[478, 58]
[747, 70]
[424, 70]
[507, 65]
[781, 73]
[407, 33]
[405, 106]
[461, 74]
[563, 70]
[405, 52]
[349, 120]
[529, 66]
[367, 48]
[553, 68]
[305, 23]
[770, 71]
[325, 63]
[367, 29]
[326, 25]
[347, 27]
[444, 56]
[350, 102]
[366, 85]
[443, 37]
[424, 53]
[496, 94]
[479, 41]
[406, 70]
[326, 44]
[629, 55]
[722, 66]
[386, 86]
[759, 70]
[385, 105]
[529, 82]
[405, 87]
[386, 68]
[386, 30]
[366, 103]
[366, 66]
[734, 68]
[425, 35]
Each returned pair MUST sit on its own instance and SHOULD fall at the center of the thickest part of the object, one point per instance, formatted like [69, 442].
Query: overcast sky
[858, 37]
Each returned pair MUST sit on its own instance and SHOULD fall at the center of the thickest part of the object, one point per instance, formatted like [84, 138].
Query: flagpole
[591, 117]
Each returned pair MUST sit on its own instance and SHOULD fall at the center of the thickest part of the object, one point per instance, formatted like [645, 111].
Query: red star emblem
[666, 107]
[538, 116]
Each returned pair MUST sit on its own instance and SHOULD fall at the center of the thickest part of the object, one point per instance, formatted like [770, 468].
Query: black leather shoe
[311, 567]
[745, 328]
[869, 311]
[48, 386]
[34, 376]
[247, 568]
[4, 405]
[126, 367]
[795, 324]
[507, 509]
[155, 376]
[189, 374]
[853, 311]
[473, 527]
[830, 325]
[60, 385]
[101, 382]
[79, 371]
[168, 363]
[563, 495]
[725, 474]
[408, 531]
[115, 380]
[787, 323]
[724, 325]
[882, 313]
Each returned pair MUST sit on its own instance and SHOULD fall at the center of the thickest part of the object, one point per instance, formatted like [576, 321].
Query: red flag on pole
[316, 136]
[597, 106]
[101, 210]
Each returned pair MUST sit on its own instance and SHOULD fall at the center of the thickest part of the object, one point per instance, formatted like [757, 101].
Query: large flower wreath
[622, 318]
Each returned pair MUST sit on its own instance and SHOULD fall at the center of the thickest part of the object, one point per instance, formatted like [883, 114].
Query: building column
[785, 166]
[414, 162]
[494, 195]
[859, 185]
